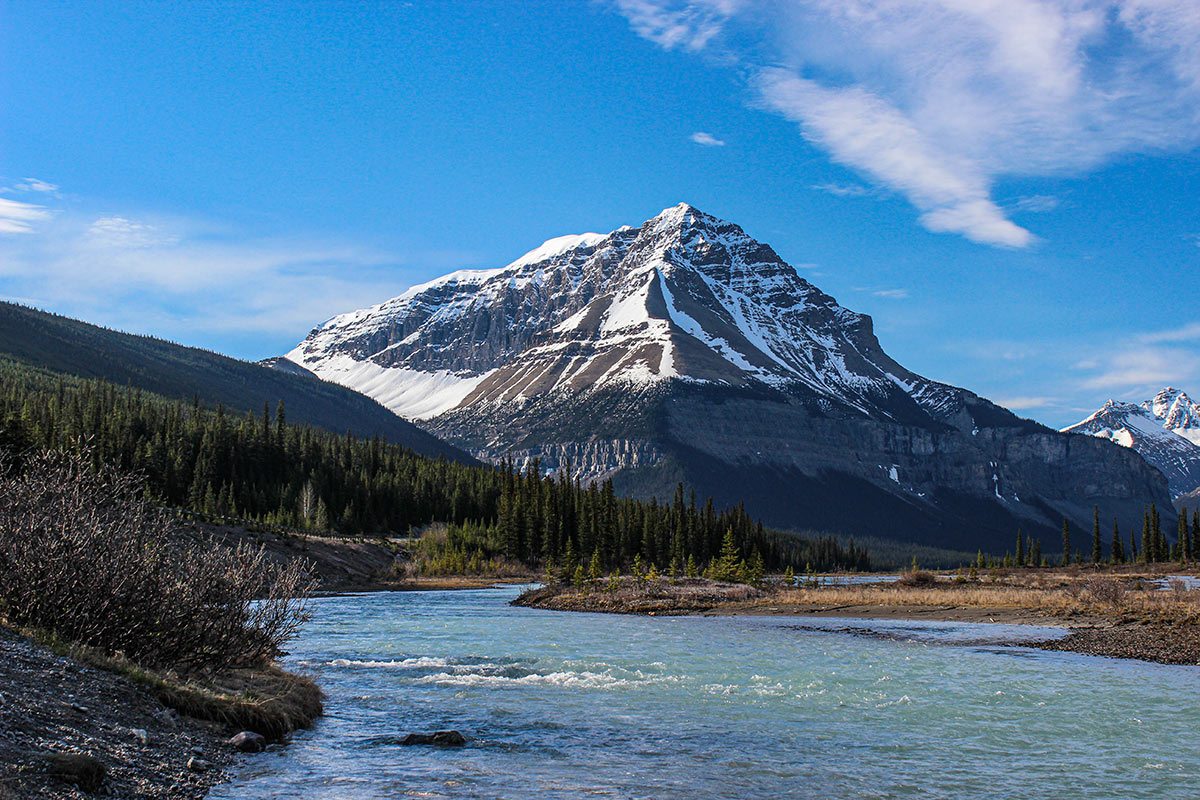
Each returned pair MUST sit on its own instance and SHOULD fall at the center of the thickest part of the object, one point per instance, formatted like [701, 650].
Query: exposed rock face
[1164, 430]
[686, 350]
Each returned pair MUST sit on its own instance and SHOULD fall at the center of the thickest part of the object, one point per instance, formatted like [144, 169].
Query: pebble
[198, 765]
[142, 736]
[79, 708]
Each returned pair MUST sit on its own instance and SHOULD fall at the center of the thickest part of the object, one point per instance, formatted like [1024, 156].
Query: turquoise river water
[562, 705]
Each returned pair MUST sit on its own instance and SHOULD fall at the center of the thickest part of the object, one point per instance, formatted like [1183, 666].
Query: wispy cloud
[938, 100]
[35, 185]
[1138, 370]
[18, 217]
[1184, 333]
[844, 189]
[706, 139]
[1026, 402]
[1036, 203]
[686, 25]
[189, 279]
[892, 294]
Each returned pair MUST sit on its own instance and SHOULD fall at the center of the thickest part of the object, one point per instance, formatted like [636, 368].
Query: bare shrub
[918, 577]
[85, 556]
[1105, 592]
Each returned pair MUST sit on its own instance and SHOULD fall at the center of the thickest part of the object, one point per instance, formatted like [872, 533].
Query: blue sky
[1010, 188]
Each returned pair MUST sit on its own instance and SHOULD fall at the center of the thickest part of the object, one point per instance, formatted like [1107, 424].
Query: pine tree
[690, 569]
[594, 567]
[1035, 549]
[726, 566]
[1118, 550]
[1020, 548]
[1097, 550]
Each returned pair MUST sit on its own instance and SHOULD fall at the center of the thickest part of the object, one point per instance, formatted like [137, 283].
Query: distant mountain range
[683, 349]
[61, 345]
[1164, 430]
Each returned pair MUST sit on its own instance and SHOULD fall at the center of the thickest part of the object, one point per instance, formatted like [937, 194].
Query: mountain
[69, 347]
[684, 349]
[1164, 430]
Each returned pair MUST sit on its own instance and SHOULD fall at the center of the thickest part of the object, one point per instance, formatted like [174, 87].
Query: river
[562, 705]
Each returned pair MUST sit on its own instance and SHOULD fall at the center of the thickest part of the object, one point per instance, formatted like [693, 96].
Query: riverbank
[341, 565]
[1120, 616]
[74, 723]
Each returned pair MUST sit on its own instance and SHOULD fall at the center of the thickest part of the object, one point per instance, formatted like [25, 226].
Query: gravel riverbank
[53, 710]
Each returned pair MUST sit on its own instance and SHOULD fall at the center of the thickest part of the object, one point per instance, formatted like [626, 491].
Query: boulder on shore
[249, 742]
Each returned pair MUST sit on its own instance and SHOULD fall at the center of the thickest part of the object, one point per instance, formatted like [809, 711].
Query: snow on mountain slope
[1178, 413]
[685, 350]
[1163, 430]
[683, 297]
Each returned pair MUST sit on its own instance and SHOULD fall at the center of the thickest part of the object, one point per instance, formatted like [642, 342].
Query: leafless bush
[84, 555]
[918, 577]
[1106, 592]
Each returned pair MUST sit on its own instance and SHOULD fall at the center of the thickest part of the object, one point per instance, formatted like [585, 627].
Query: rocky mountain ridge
[684, 349]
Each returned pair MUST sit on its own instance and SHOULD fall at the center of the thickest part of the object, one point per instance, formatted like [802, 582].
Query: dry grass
[1113, 596]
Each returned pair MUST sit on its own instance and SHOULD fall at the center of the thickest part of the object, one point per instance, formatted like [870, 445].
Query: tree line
[261, 467]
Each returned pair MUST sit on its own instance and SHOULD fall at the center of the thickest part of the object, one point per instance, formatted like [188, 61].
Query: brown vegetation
[83, 555]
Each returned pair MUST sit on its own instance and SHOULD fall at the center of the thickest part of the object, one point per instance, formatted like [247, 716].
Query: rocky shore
[1162, 644]
[69, 729]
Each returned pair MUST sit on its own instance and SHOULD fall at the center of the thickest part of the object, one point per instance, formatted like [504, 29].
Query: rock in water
[249, 742]
[86, 772]
[438, 739]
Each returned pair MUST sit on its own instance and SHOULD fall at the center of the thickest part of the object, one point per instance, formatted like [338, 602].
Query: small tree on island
[725, 568]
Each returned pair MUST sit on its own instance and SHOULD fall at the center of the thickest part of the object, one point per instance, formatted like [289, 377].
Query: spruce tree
[1118, 550]
[1066, 542]
[1020, 549]
[1097, 550]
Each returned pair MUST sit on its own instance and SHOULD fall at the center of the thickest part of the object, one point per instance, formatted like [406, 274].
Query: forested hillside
[70, 347]
[263, 467]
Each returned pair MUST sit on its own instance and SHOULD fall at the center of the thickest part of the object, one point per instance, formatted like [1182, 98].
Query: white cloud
[706, 139]
[938, 99]
[35, 185]
[18, 217]
[1036, 203]
[892, 294]
[1026, 402]
[690, 26]
[119, 232]
[1134, 371]
[1185, 333]
[843, 189]
[190, 280]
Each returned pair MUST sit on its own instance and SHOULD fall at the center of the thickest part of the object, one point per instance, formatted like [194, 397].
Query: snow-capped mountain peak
[1177, 411]
[685, 296]
[1164, 430]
